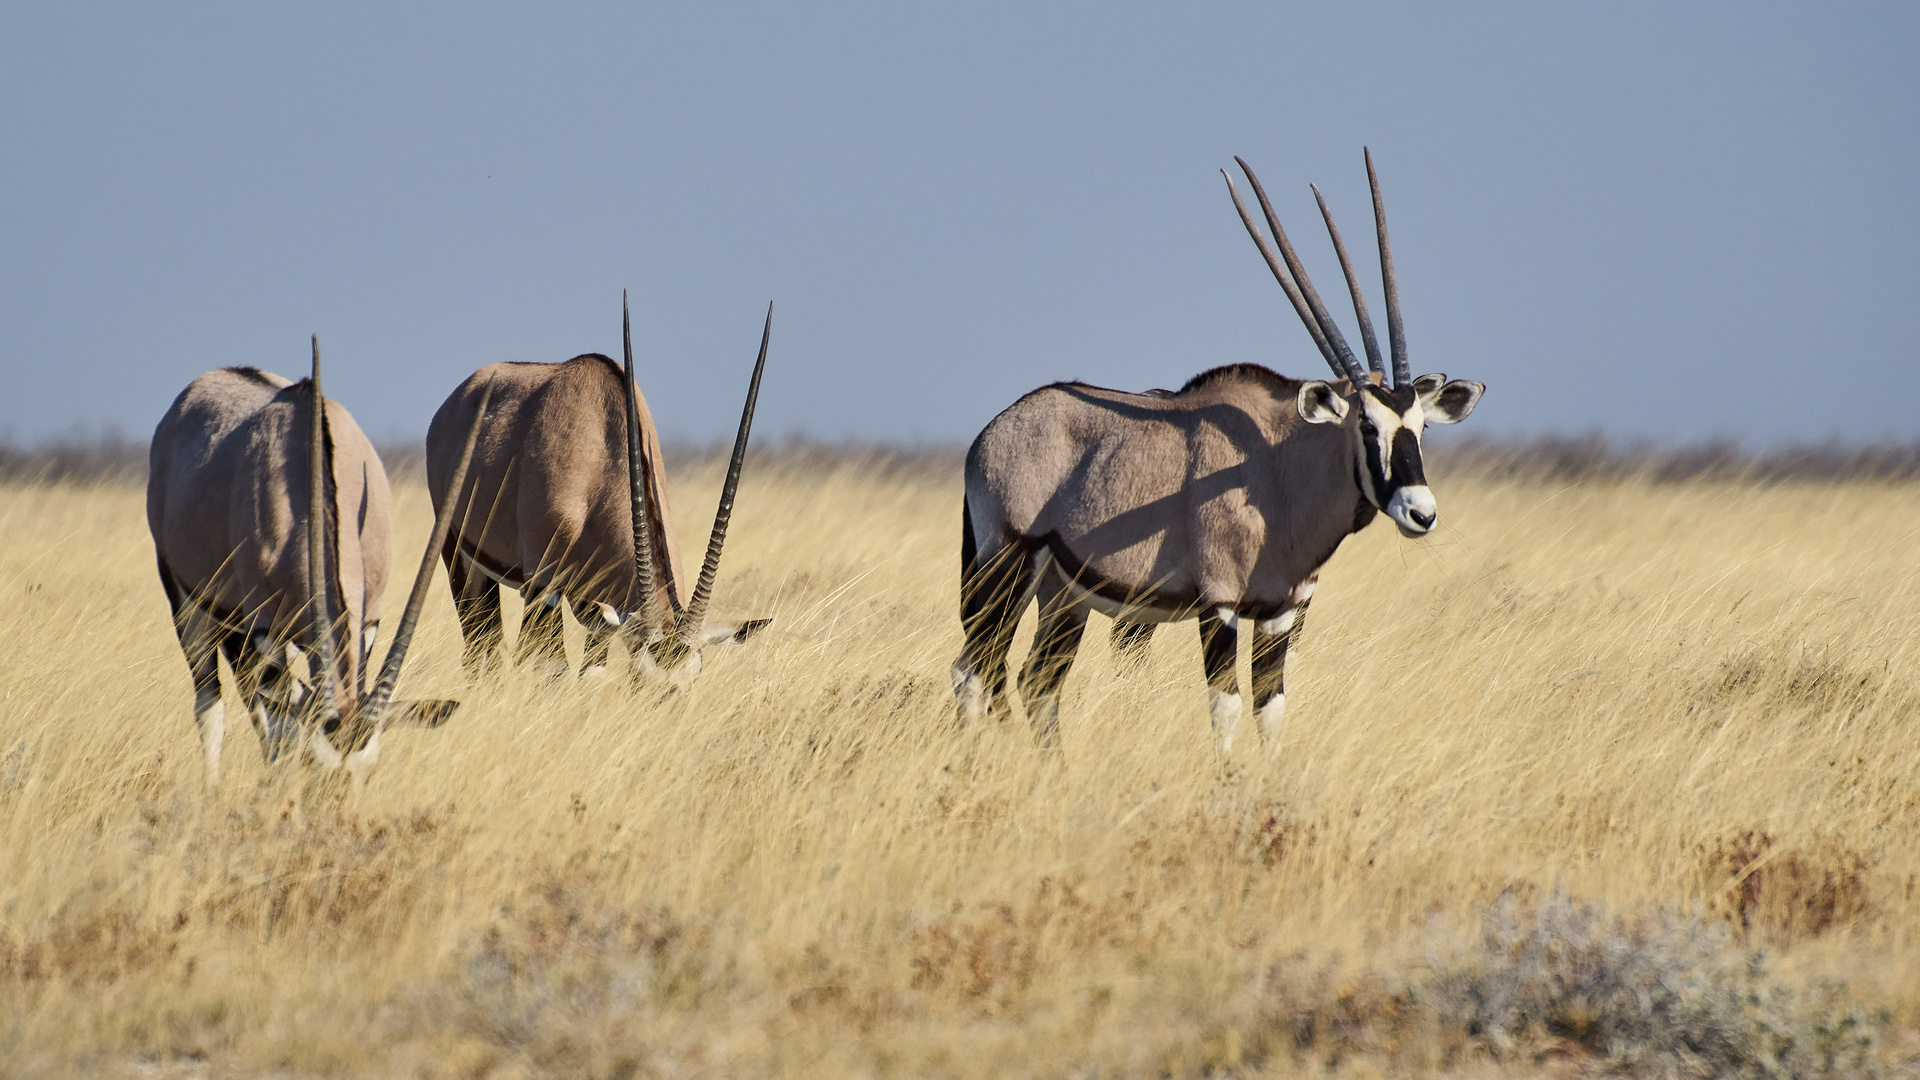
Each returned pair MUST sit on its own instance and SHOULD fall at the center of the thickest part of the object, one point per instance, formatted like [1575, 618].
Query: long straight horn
[317, 546]
[1286, 283]
[640, 599]
[696, 613]
[1353, 287]
[1396, 333]
[1328, 327]
[376, 707]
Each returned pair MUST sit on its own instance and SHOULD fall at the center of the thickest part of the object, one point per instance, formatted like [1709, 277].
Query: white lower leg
[1226, 716]
[210, 715]
[1272, 715]
[970, 690]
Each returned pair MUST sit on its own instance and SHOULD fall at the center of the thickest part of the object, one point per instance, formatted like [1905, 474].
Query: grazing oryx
[1219, 501]
[271, 518]
[567, 503]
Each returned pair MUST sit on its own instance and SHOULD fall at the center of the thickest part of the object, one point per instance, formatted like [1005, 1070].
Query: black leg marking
[1055, 642]
[1270, 663]
[265, 682]
[199, 638]
[476, 599]
[542, 629]
[1219, 646]
[993, 593]
[1132, 643]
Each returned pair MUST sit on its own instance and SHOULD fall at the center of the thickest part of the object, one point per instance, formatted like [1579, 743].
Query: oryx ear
[731, 633]
[426, 713]
[1320, 405]
[1447, 402]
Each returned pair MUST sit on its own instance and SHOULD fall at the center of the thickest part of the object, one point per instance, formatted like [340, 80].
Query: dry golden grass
[1689, 697]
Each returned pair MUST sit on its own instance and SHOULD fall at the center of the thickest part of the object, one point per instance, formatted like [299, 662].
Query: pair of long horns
[687, 632]
[1292, 276]
[373, 709]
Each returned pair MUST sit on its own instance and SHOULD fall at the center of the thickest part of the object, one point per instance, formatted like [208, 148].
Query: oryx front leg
[275, 697]
[1219, 649]
[1271, 640]
[1055, 641]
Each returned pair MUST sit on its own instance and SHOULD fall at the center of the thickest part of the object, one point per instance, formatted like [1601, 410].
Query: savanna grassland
[1611, 776]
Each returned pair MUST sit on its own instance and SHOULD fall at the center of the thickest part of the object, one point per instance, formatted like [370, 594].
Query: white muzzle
[1413, 509]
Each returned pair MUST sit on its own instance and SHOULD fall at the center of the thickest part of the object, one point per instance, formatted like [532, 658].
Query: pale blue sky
[1653, 220]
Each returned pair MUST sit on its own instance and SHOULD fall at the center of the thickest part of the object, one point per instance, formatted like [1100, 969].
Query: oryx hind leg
[994, 590]
[476, 600]
[1055, 641]
[200, 641]
[1219, 651]
[542, 631]
[1132, 644]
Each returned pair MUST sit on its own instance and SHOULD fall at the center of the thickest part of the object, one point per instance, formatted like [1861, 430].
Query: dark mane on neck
[248, 371]
[604, 359]
[1258, 373]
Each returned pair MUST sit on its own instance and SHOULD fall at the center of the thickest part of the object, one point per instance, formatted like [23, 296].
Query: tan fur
[1219, 495]
[227, 493]
[548, 493]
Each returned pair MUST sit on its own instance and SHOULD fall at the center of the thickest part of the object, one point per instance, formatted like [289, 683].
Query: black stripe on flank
[1185, 601]
[513, 575]
[1140, 596]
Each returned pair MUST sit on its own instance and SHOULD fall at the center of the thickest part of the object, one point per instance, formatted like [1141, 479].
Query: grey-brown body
[227, 497]
[1217, 496]
[1219, 502]
[546, 510]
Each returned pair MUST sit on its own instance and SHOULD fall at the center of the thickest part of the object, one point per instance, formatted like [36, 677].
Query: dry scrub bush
[1637, 734]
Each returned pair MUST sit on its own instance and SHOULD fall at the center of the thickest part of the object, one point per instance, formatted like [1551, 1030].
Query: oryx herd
[1220, 502]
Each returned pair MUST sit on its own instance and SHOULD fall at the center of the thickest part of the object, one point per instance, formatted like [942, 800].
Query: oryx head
[1385, 418]
[333, 714]
[665, 640]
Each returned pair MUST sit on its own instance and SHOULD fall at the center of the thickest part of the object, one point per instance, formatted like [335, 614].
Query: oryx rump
[567, 503]
[1219, 501]
[270, 520]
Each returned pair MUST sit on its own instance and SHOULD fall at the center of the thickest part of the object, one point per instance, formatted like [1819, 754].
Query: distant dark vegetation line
[114, 458]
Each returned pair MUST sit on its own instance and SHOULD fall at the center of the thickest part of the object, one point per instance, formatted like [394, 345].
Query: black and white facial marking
[1390, 422]
[672, 659]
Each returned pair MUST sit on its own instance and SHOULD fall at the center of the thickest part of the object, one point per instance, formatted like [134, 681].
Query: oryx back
[546, 504]
[550, 506]
[1219, 501]
[227, 502]
[1159, 505]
